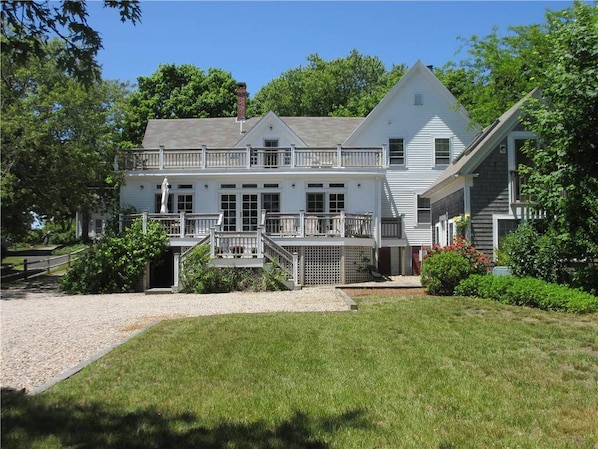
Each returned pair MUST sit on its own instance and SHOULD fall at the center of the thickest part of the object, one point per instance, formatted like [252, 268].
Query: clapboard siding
[489, 195]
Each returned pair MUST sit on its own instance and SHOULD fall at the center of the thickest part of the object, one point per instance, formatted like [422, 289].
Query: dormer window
[418, 100]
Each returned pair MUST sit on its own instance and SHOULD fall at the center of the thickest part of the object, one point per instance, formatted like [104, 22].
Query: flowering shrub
[478, 261]
[444, 267]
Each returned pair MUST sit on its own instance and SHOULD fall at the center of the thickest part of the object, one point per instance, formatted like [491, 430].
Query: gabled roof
[417, 70]
[227, 132]
[481, 146]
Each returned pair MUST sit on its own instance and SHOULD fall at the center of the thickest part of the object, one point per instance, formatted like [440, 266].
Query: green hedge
[528, 292]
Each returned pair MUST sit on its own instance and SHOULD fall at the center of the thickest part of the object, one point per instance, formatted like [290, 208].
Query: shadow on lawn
[28, 419]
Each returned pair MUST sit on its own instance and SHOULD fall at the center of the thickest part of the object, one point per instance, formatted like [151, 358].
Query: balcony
[251, 158]
[274, 225]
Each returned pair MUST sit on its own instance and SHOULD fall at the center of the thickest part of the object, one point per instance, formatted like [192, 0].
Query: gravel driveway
[45, 333]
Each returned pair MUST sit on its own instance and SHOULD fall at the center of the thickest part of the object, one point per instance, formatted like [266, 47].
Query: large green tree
[564, 176]
[350, 86]
[27, 27]
[58, 141]
[179, 91]
[498, 70]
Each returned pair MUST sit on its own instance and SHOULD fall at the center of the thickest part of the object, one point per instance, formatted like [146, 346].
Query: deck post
[212, 243]
[302, 223]
[182, 221]
[296, 269]
[292, 155]
[144, 223]
[204, 155]
[343, 223]
[248, 156]
[339, 153]
[385, 162]
[161, 157]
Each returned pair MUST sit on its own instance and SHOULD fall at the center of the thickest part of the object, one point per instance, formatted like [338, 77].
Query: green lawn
[420, 372]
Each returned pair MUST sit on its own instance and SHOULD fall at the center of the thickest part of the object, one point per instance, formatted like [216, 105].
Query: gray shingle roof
[481, 146]
[225, 132]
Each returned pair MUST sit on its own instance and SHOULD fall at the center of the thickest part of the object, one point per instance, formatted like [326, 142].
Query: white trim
[450, 155]
[495, 218]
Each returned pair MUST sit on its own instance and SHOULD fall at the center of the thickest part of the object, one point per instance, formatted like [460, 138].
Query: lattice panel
[322, 265]
[357, 258]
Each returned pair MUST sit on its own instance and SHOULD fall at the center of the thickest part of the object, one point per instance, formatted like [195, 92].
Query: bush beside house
[528, 291]
[199, 277]
[114, 264]
[444, 267]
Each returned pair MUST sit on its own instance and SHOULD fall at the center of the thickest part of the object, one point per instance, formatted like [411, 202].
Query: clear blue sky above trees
[257, 41]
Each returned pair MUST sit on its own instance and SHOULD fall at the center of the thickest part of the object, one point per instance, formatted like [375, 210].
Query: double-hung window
[396, 151]
[442, 151]
[424, 215]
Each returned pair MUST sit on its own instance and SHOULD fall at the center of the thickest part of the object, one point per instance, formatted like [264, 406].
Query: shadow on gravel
[39, 284]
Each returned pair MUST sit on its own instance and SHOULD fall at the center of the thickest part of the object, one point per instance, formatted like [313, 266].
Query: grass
[402, 372]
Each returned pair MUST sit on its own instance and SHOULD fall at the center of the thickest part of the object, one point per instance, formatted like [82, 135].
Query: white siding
[418, 125]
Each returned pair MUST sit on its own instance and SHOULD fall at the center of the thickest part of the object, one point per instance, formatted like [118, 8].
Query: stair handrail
[286, 260]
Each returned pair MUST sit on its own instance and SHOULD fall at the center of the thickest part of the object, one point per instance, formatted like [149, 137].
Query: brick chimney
[241, 101]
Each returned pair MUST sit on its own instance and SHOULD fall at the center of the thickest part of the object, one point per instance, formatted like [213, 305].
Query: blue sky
[257, 41]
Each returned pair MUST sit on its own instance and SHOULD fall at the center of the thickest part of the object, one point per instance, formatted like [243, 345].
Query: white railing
[178, 224]
[273, 224]
[249, 157]
[305, 224]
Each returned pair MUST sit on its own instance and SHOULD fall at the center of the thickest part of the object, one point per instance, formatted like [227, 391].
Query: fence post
[25, 269]
[48, 264]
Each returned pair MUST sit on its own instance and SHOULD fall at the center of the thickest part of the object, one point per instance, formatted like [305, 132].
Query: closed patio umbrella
[164, 203]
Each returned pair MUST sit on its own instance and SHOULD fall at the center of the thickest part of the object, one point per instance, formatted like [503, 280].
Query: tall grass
[400, 373]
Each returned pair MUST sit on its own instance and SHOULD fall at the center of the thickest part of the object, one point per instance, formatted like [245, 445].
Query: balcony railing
[293, 225]
[251, 158]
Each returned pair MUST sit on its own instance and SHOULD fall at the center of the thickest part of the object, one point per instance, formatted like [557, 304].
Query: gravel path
[45, 333]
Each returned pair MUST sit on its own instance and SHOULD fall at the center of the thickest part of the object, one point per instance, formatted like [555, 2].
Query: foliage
[563, 178]
[58, 143]
[199, 277]
[531, 253]
[27, 26]
[182, 91]
[528, 291]
[114, 264]
[443, 267]
[498, 71]
[343, 87]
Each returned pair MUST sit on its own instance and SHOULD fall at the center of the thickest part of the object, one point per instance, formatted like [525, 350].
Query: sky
[258, 41]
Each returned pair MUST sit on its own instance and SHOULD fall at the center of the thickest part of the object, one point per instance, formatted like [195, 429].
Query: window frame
[448, 157]
[419, 209]
[390, 152]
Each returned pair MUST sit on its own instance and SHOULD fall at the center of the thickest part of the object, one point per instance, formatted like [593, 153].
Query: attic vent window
[316, 186]
[228, 186]
[418, 100]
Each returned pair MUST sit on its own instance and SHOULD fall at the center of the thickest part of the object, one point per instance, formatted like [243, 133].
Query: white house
[324, 196]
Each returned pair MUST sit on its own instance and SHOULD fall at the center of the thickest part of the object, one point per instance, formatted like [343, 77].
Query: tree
[498, 71]
[563, 178]
[58, 141]
[183, 91]
[350, 86]
[27, 27]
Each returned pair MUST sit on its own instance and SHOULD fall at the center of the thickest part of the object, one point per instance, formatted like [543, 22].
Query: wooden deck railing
[250, 157]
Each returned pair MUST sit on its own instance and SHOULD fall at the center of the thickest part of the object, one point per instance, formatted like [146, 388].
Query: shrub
[444, 267]
[114, 264]
[198, 276]
[533, 254]
[441, 273]
[528, 291]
